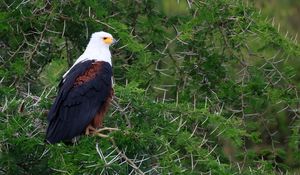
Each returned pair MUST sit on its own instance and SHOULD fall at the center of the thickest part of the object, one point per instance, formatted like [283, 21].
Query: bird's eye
[105, 38]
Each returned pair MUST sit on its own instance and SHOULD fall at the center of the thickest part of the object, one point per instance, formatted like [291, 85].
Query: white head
[97, 49]
[105, 38]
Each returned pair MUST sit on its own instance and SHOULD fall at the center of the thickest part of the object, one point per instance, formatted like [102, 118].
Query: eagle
[84, 95]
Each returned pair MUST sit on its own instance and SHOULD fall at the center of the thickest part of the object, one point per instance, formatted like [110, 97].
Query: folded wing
[81, 95]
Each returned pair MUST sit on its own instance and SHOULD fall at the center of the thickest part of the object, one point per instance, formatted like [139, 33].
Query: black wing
[76, 106]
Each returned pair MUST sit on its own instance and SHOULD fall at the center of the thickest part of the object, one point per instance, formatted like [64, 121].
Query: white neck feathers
[95, 50]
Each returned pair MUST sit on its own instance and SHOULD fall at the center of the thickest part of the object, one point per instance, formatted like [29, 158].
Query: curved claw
[107, 129]
[91, 130]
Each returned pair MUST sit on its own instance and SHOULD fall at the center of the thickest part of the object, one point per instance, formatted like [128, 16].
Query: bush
[201, 87]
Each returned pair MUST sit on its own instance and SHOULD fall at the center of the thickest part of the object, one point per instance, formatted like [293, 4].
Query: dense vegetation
[202, 87]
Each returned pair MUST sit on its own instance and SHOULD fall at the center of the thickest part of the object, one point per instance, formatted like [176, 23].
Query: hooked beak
[114, 42]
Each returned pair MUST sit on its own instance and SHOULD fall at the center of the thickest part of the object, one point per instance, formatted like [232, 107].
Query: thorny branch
[121, 110]
[129, 161]
[31, 54]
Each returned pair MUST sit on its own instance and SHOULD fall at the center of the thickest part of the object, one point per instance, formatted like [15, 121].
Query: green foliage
[53, 71]
[202, 88]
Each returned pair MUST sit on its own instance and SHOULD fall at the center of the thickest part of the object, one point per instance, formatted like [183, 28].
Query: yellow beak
[108, 40]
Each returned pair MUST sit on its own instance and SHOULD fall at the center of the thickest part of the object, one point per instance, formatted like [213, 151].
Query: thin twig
[130, 162]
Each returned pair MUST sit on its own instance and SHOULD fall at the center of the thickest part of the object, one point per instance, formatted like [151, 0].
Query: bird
[84, 93]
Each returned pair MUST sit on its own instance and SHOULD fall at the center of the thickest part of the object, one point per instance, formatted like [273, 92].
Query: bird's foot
[90, 130]
[98, 131]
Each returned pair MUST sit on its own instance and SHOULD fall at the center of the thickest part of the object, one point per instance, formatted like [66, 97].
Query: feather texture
[83, 94]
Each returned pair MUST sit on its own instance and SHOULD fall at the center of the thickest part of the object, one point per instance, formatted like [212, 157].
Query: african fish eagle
[85, 92]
